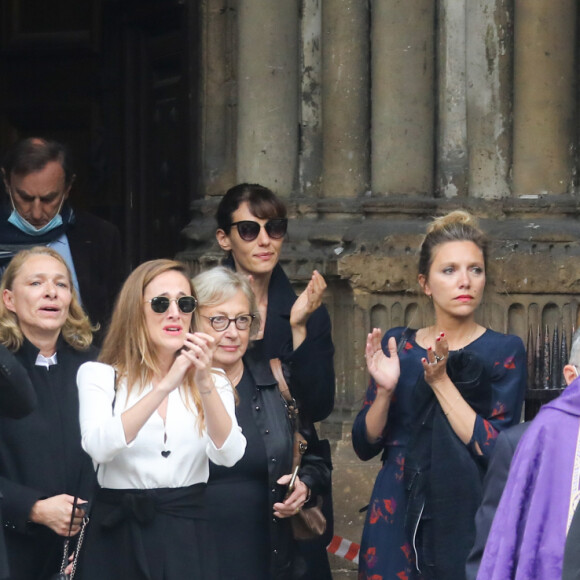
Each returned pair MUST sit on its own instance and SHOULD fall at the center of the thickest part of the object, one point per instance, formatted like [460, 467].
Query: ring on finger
[439, 358]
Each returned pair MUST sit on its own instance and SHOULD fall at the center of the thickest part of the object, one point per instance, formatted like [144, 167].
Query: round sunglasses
[249, 230]
[221, 322]
[160, 304]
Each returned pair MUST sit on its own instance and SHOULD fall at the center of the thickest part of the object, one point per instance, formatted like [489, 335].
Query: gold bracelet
[452, 406]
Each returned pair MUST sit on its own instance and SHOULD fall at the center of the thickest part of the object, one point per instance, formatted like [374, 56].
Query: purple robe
[528, 534]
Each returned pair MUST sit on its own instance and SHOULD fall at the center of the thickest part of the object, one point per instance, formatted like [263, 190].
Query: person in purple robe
[528, 534]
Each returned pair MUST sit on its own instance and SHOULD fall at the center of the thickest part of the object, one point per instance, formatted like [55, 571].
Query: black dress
[40, 457]
[252, 543]
[241, 520]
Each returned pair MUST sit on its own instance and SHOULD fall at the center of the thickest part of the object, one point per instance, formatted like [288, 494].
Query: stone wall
[369, 118]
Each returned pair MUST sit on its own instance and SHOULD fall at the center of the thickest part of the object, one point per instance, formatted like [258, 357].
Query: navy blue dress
[386, 552]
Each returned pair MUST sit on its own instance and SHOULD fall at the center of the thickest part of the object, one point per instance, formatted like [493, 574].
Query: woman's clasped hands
[197, 352]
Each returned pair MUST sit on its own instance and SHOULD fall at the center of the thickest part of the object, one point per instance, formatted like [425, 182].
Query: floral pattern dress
[386, 552]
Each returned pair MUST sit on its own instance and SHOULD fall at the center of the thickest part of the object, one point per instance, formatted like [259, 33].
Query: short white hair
[220, 284]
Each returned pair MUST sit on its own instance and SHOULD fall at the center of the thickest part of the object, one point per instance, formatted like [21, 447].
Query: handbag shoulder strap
[291, 404]
[276, 366]
[300, 443]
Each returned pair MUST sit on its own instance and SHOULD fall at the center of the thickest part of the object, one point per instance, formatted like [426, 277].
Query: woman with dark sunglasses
[153, 413]
[252, 224]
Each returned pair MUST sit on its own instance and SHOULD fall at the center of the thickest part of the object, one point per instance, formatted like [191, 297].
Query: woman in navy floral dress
[437, 398]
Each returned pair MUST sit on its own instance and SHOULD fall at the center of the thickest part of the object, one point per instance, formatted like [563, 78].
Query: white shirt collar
[43, 361]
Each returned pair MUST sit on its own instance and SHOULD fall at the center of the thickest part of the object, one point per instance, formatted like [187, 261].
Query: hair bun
[459, 217]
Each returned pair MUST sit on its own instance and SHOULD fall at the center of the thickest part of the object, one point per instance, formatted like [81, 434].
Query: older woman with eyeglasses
[248, 504]
[153, 413]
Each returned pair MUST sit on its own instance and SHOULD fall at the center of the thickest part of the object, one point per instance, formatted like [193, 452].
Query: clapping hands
[308, 301]
[384, 369]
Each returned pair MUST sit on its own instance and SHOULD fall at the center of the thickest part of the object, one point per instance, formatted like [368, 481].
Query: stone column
[217, 123]
[452, 135]
[402, 134]
[345, 98]
[544, 98]
[267, 140]
[310, 162]
[489, 55]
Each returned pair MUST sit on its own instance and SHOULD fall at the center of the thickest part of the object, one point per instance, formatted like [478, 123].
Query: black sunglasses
[249, 230]
[160, 304]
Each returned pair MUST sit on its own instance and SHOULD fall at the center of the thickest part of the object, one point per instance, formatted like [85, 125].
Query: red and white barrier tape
[344, 549]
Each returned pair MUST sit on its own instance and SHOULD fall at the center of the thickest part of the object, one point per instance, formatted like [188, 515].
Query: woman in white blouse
[152, 413]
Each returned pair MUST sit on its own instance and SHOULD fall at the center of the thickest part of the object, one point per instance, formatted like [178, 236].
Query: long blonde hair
[128, 346]
[76, 331]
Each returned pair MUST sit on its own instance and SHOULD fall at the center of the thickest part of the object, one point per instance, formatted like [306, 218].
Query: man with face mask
[38, 179]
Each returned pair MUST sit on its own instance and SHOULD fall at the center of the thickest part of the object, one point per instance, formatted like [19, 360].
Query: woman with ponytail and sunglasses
[252, 224]
[153, 413]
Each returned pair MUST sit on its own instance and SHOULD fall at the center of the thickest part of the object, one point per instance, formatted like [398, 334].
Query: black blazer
[493, 485]
[95, 246]
[41, 456]
[17, 394]
[17, 399]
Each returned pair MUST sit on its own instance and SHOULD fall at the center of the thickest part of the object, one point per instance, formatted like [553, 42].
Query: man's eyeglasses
[221, 323]
[250, 230]
[160, 304]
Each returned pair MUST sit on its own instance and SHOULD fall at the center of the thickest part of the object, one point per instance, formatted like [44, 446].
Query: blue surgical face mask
[26, 227]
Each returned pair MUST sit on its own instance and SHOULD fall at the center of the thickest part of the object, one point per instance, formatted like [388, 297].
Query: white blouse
[170, 454]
